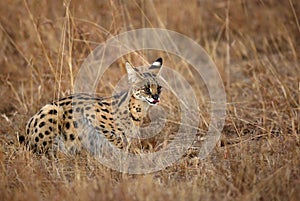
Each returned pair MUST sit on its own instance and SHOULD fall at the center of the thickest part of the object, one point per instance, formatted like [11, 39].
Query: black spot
[42, 116]
[21, 139]
[134, 118]
[102, 126]
[52, 112]
[68, 102]
[35, 123]
[72, 137]
[50, 128]
[47, 132]
[73, 103]
[52, 121]
[98, 99]
[80, 102]
[70, 111]
[44, 143]
[104, 117]
[78, 109]
[105, 110]
[88, 108]
[41, 135]
[105, 103]
[40, 112]
[68, 125]
[62, 99]
[97, 110]
[65, 136]
[75, 124]
[59, 128]
[100, 104]
[120, 129]
[125, 112]
[35, 130]
[93, 116]
[42, 124]
[62, 104]
[70, 117]
[36, 139]
[27, 131]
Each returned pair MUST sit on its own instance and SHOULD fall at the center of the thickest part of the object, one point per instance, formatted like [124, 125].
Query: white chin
[152, 101]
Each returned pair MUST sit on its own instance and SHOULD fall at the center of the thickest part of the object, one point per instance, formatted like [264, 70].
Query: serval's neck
[137, 110]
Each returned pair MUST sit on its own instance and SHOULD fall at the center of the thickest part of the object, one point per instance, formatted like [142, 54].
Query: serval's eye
[147, 90]
[158, 89]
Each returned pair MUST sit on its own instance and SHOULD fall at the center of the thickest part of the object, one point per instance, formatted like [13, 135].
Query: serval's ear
[156, 66]
[133, 74]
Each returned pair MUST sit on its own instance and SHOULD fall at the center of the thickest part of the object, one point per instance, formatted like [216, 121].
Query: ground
[255, 45]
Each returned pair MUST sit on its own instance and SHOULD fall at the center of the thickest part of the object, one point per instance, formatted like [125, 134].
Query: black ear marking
[157, 63]
[159, 60]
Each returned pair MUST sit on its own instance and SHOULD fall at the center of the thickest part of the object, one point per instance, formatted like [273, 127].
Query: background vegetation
[255, 45]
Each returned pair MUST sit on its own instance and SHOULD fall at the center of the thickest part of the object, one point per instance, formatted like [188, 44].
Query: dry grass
[255, 45]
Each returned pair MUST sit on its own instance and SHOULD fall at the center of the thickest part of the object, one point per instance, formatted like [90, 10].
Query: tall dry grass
[255, 45]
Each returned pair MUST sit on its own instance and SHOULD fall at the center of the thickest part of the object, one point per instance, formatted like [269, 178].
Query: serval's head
[145, 86]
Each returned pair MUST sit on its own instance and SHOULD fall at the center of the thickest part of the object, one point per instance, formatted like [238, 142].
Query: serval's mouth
[152, 101]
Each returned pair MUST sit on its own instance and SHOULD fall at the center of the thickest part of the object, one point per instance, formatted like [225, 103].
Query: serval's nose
[155, 96]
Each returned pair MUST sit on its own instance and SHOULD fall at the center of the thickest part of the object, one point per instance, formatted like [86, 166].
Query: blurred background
[255, 45]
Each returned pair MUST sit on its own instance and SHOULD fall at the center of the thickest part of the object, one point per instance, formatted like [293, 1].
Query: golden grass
[255, 45]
